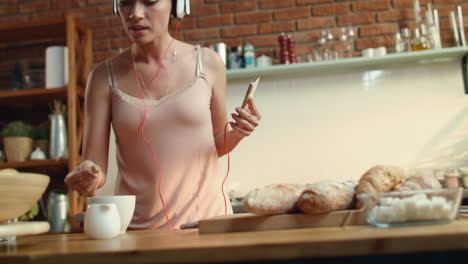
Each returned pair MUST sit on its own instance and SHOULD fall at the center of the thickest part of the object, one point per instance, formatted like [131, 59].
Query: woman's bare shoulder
[213, 66]
[212, 60]
[99, 73]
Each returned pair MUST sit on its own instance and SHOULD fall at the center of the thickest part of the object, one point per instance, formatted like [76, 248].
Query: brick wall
[237, 21]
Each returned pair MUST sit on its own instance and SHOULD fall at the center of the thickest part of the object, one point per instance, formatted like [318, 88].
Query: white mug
[368, 52]
[102, 221]
[380, 51]
[125, 206]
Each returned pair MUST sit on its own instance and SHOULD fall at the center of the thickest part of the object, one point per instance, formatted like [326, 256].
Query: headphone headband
[180, 8]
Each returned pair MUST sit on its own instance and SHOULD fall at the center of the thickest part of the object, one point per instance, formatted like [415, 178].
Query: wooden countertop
[190, 246]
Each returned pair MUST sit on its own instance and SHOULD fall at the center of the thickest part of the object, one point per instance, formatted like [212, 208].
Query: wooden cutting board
[251, 222]
[23, 228]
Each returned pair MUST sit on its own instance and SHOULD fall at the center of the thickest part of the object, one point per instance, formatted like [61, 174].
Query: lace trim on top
[155, 102]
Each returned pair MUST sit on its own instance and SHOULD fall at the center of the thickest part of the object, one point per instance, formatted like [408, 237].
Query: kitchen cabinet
[32, 105]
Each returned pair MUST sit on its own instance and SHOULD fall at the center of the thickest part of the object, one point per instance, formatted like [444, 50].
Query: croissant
[420, 182]
[380, 178]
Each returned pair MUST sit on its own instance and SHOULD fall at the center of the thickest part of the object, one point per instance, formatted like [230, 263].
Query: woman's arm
[97, 119]
[89, 175]
[245, 120]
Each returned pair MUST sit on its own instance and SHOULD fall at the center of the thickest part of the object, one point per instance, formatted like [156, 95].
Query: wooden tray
[23, 228]
[251, 222]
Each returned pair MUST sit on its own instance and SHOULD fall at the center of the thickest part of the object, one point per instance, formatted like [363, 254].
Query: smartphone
[250, 91]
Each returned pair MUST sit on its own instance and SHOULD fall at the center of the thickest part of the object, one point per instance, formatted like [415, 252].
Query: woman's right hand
[85, 178]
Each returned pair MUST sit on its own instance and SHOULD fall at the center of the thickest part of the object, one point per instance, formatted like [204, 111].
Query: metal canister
[221, 49]
[58, 145]
[58, 212]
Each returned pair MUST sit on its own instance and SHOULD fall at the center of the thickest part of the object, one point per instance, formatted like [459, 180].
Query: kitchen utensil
[411, 207]
[19, 192]
[417, 12]
[453, 23]
[251, 222]
[58, 212]
[102, 221]
[125, 206]
[461, 28]
[437, 41]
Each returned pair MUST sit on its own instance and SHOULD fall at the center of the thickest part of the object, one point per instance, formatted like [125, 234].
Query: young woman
[166, 102]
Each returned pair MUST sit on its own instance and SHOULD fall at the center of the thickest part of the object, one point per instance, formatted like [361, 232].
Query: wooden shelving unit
[29, 96]
[35, 164]
[24, 104]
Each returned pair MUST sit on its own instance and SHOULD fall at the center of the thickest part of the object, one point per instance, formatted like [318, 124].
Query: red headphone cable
[142, 126]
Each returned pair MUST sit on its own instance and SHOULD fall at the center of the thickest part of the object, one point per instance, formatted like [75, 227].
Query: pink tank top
[179, 129]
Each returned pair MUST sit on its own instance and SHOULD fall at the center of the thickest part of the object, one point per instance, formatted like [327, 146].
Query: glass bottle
[406, 35]
[17, 78]
[399, 43]
[426, 36]
[418, 42]
[249, 55]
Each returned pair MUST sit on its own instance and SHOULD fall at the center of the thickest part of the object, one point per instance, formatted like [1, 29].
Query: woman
[168, 143]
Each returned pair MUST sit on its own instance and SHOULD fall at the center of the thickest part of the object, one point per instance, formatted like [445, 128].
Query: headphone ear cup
[187, 7]
[174, 8]
[115, 8]
[180, 9]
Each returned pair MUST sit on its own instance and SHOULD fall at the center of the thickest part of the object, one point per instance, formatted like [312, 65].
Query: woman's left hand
[246, 119]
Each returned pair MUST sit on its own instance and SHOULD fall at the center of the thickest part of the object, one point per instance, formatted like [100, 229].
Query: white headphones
[180, 8]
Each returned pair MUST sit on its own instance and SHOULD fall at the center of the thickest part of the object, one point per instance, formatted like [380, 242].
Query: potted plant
[41, 138]
[17, 140]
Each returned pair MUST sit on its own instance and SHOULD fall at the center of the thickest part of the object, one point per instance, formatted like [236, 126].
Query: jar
[249, 56]
[451, 178]
[464, 175]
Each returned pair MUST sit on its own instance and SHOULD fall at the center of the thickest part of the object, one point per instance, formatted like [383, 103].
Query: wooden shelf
[34, 96]
[34, 164]
[33, 31]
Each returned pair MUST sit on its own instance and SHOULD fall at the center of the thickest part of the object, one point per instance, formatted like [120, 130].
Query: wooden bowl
[19, 192]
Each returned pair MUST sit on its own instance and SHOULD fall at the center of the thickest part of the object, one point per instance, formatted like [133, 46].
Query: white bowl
[19, 192]
[125, 206]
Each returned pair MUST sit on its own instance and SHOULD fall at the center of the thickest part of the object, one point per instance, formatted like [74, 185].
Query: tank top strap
[199, 62]
[110, 74]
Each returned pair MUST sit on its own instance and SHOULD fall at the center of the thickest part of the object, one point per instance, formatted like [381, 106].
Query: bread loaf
[380, 178]
[420, 182]
[273, 199]
[327, 196]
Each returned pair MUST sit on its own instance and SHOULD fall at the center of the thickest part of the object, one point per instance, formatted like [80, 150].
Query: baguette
[327, 196]
[380, 178]
[273, 199]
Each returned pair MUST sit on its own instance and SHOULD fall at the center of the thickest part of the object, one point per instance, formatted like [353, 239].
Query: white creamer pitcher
[102, 221]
